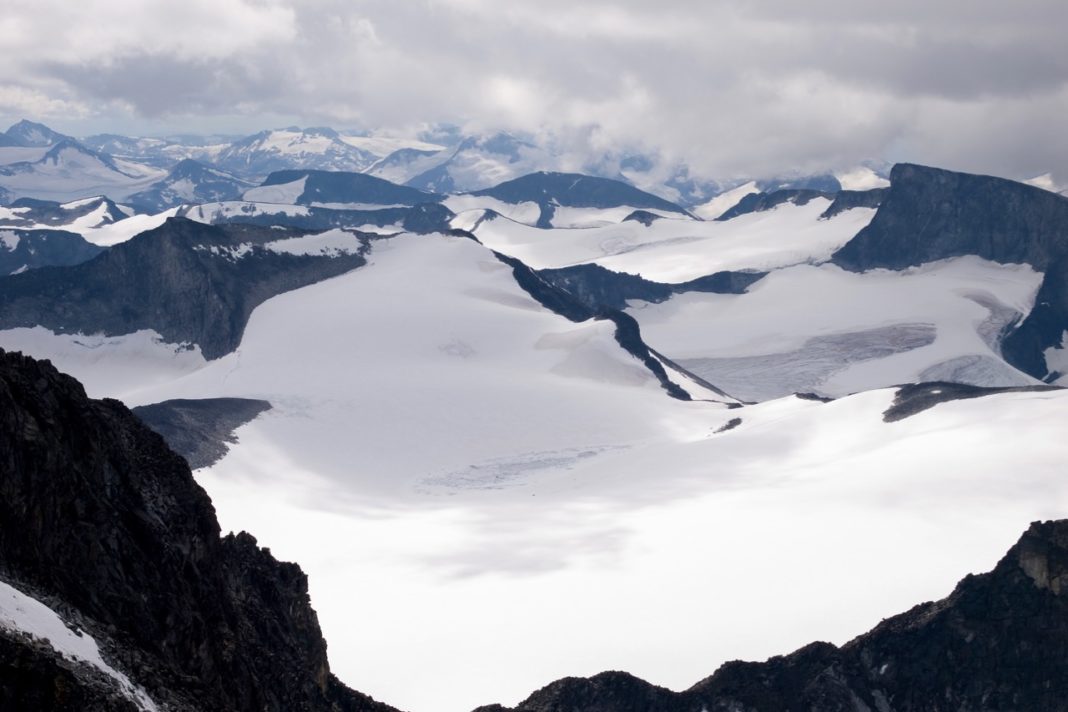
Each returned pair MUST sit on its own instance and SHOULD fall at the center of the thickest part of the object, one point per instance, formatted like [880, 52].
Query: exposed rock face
[998, 642]
[759, 202]
[574, 190]
[105, 522]
[601, 288]
[199, 430]
[422, 219]
[347, 187]
[29, 212]
[930, 214]
[917, 397]
[848, 199]
[191, 283]
[628, 333]
[22, 250]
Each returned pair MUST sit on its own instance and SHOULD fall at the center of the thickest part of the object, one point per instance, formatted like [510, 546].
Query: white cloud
[736, 88]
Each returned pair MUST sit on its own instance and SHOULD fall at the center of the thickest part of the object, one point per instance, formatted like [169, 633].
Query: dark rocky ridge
[929, 214]
[348, 187]
[998, 642]
[35, 213]
[628, 332]
[759, 202]
[601, 288]
[423, 218]
[915, 398]
[43, 248]
[105, 523]
[848, 199]
[170, 280]
[574, 190]
[199, 430]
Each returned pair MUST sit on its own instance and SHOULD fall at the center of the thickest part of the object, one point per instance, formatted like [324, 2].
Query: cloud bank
[734, 88]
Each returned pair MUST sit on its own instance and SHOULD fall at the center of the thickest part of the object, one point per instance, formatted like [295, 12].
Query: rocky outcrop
[915, 398]
[29, 212]
[848, 199]
[759, 202]
[99, 518]
[575, 190]
[998, 642]
[628, 333]
[422, 219]
[200, 430]
[23, 250]
[347, 187]
[601, 288]
[191, 283]
[929, 214]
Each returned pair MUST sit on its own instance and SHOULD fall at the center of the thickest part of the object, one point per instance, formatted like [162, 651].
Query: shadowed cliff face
[998, 642]
[22, 250]
[100, 519]
[929, 214]
[191, 283]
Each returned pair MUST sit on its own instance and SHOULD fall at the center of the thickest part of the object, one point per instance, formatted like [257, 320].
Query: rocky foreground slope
[998, 642]
[104, 524]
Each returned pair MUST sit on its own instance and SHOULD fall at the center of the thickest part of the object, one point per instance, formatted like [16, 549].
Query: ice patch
[9, 240]
[330, 244]
[507, 472]
[233, 253]
[766, 376]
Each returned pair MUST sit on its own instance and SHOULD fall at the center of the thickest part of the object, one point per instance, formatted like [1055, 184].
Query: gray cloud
[733, 87]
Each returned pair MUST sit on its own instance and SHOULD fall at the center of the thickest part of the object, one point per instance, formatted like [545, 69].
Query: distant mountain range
[449, 162]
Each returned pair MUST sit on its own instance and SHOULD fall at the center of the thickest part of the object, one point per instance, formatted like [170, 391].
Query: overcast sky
[735, 88]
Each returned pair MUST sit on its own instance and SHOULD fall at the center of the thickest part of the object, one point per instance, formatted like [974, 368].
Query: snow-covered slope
[25, 615]
[824, 330]
[338, 190]
[725, 201]
[655, 557]
[98, 220]
[317, 148]
[76, 215]
[478, 162]
[69, 171]
[159, 152]
[189, 182]
[32, 134]
[678, 250]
